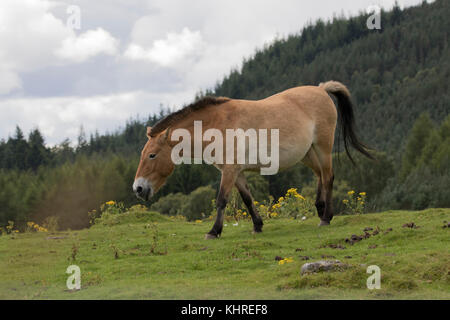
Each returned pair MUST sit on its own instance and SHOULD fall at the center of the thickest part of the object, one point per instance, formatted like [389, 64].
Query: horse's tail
[347, 119]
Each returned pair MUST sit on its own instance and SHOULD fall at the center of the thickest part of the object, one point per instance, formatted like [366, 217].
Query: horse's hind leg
[241, 185]
[321, 163]
[327, 177]
[312, 161]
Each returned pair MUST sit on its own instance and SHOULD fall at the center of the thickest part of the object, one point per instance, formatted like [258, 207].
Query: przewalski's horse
[306, 118]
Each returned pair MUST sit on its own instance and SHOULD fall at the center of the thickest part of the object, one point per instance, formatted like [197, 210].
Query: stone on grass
[323, 265]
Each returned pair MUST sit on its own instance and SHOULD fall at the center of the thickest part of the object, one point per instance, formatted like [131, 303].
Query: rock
[322, 265]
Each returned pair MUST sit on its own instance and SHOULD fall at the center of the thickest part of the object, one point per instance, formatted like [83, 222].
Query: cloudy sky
[123, 58]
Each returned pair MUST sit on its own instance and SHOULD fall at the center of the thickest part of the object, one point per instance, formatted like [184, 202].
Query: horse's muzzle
[142, 189]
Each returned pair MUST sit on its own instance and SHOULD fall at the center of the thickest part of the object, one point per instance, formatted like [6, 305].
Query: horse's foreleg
[241, 185]
[226, 185]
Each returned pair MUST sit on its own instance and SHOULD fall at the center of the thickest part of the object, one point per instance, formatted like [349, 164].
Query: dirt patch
[333, 246]
[410, 225]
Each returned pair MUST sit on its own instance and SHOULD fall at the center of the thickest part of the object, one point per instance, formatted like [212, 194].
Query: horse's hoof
[257, 231]
[210, 236]
[324, 223]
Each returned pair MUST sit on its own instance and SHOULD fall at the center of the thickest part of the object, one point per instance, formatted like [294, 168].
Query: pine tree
[416, 142]
[38, 154]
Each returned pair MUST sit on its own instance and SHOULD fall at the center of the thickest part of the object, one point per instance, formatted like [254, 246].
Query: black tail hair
[346, 118]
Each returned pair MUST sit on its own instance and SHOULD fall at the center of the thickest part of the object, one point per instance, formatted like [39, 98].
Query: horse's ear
[165, 137]
[167, 134]
[149, 131]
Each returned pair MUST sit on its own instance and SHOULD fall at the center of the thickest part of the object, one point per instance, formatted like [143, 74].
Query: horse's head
[155, 165]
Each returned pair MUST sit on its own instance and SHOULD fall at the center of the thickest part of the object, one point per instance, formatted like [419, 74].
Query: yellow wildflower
[362, 193]
[285, 260]
[350, 192]
[111, 203]
[345, 201]
[281, 199]
[298, 196]
[198, 221]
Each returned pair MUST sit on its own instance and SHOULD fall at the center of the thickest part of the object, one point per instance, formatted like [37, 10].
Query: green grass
[120, 260]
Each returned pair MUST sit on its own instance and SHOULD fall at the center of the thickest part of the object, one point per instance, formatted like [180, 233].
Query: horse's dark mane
[174, 117]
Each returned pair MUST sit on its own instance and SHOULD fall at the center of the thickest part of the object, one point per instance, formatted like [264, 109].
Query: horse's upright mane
[174, 117]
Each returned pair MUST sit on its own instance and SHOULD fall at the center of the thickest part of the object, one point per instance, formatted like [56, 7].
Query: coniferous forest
[399, 79]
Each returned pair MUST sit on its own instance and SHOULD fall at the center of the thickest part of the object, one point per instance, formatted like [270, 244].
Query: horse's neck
[201, 120]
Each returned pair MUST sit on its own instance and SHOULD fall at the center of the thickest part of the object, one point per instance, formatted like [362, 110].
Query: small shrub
[293, 205]
[74, 252]
[51, 223]
[355, 203]
[34, 227]
[199, 203]
[170, 204]
[156, 241]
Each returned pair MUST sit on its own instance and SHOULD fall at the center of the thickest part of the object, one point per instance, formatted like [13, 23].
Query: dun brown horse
[306, 119]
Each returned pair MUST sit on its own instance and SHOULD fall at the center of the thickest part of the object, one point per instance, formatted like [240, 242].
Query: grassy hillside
[143, 255]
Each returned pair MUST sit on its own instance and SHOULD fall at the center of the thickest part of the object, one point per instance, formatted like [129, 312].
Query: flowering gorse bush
[110, 208]
[355, 203]
[34, 227]
[9, 229]
[293, 205]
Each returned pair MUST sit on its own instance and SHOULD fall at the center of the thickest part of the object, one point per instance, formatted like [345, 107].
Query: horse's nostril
[139, 190]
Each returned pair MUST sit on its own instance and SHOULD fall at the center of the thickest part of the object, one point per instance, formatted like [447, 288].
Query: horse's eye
[152, 155]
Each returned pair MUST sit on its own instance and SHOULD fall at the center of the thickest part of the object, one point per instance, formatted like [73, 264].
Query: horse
[306, 118]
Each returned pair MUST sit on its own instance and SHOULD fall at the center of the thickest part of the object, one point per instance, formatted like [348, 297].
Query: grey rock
[323, 265]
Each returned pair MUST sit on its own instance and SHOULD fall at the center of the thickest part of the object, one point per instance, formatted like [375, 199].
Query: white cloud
[31, 36]
[9, 81]
[86, 45]
[176, 47]
[60, 118]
